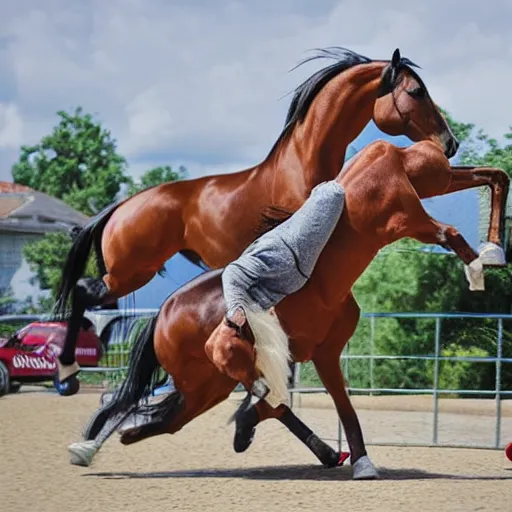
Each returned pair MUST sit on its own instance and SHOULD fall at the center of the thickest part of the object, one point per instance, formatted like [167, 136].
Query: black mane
[307, 91]
[271, 217]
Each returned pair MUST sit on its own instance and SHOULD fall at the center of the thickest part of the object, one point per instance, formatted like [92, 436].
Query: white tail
[272, 354]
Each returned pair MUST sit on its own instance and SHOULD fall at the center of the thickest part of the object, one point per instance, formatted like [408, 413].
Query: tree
[46, 259]
[157, 176]
[7, 301]
[403, 279]
[78, 163]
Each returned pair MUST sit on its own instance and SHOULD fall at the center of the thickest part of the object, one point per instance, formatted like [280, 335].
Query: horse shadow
[295, 472]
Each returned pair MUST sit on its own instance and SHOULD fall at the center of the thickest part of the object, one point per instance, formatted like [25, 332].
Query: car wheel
[68, 388]
[4, 379]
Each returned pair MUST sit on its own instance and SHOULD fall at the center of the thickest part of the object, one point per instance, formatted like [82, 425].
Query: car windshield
[37, 333]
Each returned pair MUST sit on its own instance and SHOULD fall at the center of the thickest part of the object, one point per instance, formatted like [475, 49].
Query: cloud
[201, 82]
[11, 126]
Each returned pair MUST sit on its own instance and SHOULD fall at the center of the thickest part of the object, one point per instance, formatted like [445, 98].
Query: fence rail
[116, 360]
[498, 360]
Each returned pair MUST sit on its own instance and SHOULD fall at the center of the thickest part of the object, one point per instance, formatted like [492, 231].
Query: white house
[26, 215]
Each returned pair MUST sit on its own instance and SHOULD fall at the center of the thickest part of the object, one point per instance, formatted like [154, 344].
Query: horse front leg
[247, 422]
[431, 231]
[248, 416]
[234, 357]
[466, 177]
[327, 364]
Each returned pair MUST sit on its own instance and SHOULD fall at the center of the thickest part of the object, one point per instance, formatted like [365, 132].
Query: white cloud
[11, 126]
[200, 81]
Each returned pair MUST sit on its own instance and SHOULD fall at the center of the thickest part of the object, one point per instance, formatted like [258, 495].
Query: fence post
[340, 435]
[437, 350]
[499, 354]
[372, 352]
[295, 383]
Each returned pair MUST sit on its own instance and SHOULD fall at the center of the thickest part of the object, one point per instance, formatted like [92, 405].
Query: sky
[204, 83]
[201, 83]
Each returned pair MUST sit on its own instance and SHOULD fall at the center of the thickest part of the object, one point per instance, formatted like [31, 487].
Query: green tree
[403, 279]
[78, 163]
[46, 259]
[157, 176]
[7, 301]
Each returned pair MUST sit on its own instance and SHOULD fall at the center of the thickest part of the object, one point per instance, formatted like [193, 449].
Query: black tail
[142, 370]
[78, 255]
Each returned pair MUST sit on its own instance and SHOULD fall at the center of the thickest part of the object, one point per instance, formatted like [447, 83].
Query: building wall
[14, 271]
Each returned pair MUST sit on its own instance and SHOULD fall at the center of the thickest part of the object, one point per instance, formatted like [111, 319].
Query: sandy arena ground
[197, 470]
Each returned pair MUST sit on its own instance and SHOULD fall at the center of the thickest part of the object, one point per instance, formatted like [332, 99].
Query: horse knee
[236, 359]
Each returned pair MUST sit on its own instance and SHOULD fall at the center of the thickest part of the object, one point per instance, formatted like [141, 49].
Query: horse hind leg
[88, 292]
[192, 403]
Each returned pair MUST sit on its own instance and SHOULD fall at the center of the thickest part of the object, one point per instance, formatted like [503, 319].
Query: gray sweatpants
[281, 261]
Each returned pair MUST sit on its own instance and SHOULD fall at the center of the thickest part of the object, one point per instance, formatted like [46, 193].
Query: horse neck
[336, 117]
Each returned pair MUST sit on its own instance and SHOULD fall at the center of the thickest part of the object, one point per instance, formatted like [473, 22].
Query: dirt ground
[197, 469]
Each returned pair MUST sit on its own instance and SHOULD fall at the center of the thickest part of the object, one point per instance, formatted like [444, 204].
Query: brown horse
[382, 205]
[213, 219]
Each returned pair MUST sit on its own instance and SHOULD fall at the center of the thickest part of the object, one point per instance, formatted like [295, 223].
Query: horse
[382, 205]
[210, 220]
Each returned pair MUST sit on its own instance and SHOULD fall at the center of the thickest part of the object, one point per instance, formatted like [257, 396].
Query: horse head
[405, 107]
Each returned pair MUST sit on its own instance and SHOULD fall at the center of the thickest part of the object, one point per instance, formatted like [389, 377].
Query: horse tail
[143, 367]
[76, 261]
[272, 353]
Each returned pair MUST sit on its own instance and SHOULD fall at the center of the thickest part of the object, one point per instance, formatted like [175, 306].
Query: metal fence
[122, 331]
[436, 358]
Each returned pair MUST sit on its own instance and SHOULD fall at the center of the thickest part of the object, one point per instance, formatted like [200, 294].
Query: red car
[29, 355]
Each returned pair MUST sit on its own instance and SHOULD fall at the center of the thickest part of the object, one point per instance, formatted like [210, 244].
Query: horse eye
[418, 92]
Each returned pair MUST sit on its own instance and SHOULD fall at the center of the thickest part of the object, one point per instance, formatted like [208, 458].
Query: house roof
[25, 210]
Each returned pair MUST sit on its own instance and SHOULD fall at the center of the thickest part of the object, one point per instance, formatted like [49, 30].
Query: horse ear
[395, 60]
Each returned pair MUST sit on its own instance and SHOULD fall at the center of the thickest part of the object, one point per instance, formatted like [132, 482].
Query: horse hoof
[67, 388]
[66, 371]
[492, 255]
[333, 460]
[363, 469]
[243, 439]
[81, 454]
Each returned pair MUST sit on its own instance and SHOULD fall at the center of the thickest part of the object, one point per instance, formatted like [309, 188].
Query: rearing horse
[214, 218]
[134, 239]
[382, 205]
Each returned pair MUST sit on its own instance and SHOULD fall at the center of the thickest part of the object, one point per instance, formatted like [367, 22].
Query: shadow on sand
[309, 472]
